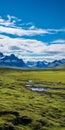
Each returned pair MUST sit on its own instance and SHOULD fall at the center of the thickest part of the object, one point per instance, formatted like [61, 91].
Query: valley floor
[24, 109]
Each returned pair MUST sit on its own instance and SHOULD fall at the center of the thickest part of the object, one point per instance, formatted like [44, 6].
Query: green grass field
[23, 109]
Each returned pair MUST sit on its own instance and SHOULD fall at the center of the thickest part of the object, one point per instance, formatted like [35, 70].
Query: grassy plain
[23, 109]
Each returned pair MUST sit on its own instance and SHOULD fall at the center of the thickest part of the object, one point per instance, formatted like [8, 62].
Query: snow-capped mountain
[13, 61]
[56, 63]
[1, 55]
[37, 64]
[45, 64]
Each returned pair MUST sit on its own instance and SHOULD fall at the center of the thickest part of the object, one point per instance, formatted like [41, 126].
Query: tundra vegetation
[24, 109]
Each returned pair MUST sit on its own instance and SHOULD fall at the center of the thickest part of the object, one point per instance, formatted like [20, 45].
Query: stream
[34, 86]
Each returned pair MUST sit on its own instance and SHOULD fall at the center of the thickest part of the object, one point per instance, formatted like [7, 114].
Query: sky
[33, 29]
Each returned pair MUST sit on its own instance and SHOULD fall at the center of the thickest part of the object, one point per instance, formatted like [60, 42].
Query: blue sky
[33, 29]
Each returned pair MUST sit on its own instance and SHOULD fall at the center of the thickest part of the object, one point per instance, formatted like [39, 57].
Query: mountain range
[13, 61]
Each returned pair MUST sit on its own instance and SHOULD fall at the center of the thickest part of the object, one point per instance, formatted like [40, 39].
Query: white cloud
[8, 26]
[29, 48]
[22, 32]
[32, 27]
[24, 44]
[59, 41]
[9, 21]
[22, 47]
[54, 31]
[55, 48]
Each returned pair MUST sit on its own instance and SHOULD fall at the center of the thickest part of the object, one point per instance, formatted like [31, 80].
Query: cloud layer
[12, 40]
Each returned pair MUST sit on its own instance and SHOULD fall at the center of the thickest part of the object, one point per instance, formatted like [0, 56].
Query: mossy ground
[23, 109]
